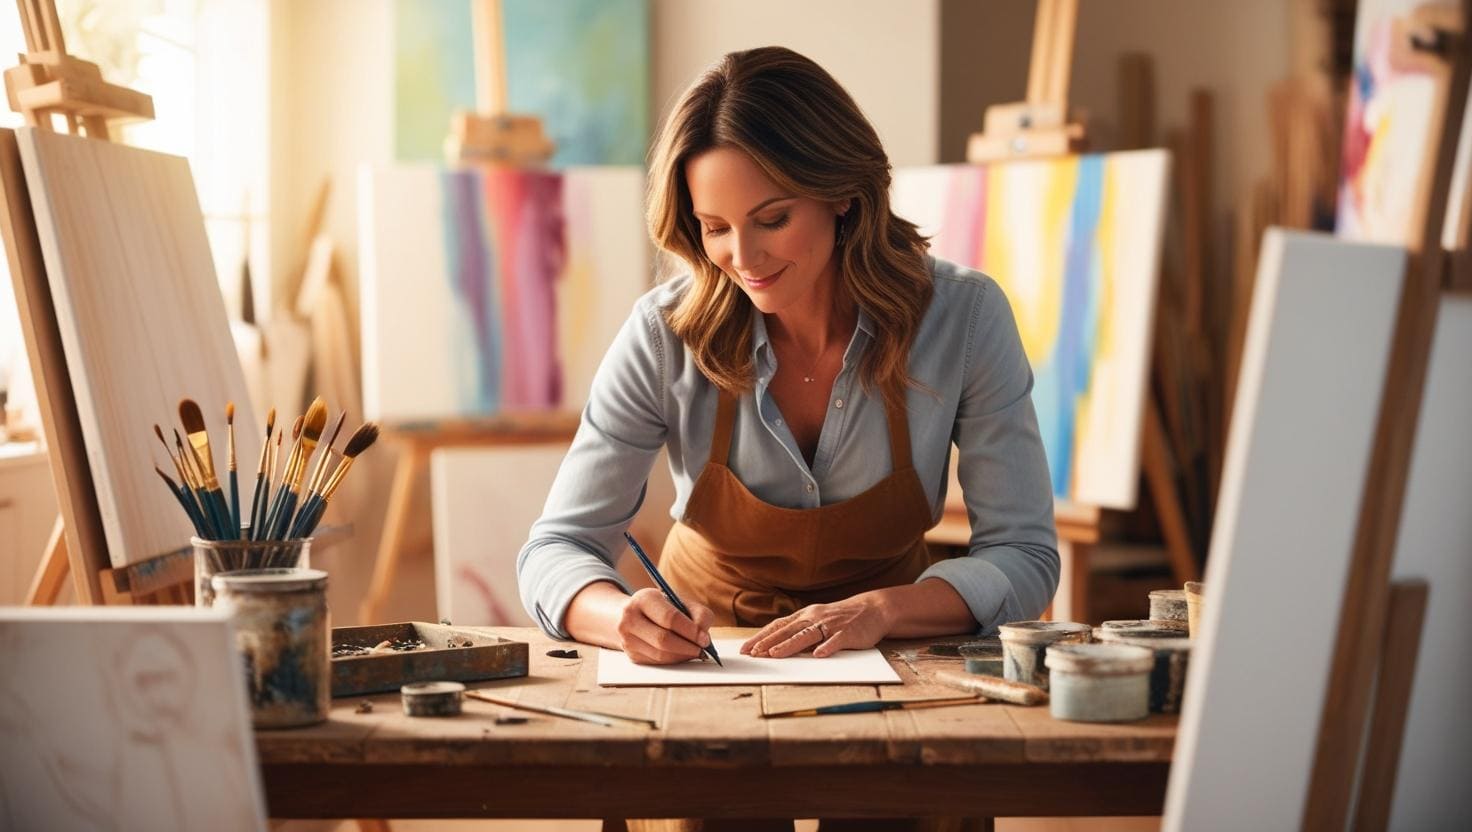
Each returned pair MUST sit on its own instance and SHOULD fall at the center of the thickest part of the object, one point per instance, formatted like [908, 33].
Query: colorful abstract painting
[582, 66]
[1075, 244]
[487, 291]
[1389, 137]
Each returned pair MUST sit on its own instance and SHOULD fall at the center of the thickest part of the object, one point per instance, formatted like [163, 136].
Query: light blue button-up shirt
[976, 395]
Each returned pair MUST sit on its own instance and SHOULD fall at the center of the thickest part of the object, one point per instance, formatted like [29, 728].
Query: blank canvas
[125, 718]
[1313, 367]
[142, 322]
[1435, 543]
[1075, 244]
[848, 667]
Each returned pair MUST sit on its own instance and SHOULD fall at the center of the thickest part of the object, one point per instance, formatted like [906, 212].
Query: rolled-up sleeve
[602, 480]
[1011, 570]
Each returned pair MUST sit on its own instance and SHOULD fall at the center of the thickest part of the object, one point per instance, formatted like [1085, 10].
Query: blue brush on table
[668, 593]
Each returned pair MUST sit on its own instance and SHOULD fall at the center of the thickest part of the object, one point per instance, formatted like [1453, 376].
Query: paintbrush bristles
[313, 423]
[266, 447]
[230, 431]
[199, 439]
[361, 440]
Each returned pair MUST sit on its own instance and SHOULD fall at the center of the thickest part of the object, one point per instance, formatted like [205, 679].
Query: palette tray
[486, 657]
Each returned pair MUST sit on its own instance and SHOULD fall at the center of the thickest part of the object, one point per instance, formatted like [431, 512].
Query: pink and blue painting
[493, 290]
[1075, 244]
[582, 66]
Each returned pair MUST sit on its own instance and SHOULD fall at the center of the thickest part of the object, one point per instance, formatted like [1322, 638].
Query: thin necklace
[809, 377]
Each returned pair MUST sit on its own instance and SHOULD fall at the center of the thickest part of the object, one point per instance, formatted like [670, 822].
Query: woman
[808, 378]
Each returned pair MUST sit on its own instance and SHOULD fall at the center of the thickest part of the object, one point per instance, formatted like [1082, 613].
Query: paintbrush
[595, 717]
[313, 491]
[187, 502]
[319, 475]
[184, 485]
[255, 499]
[196, 485]
[234, 480]
[992, 687]
[199, 439]
[872, 705]
[312, 424]
[361, 440]
[280, 487]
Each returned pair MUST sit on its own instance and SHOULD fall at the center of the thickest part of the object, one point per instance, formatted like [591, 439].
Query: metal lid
[431, 688]
[1100, 659]
[269, 580]
[1043, 632]
[1144, 628]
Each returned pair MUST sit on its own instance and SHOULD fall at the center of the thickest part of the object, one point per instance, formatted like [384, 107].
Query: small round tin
[1168, 605]
[983, 657]
[1099, 682]
[1024, 644]
[432, 698]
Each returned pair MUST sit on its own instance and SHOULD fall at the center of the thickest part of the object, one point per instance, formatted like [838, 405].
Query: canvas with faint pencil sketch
[846, 667]
[487, 291]
[125, 718]
[1075, 244]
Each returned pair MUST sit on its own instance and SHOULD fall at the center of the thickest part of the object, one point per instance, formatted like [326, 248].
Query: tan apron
[752, 562]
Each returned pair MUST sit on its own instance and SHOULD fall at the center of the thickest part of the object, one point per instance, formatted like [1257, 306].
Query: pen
[668, 593]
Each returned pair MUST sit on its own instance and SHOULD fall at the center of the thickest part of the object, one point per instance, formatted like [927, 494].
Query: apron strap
[720, 443]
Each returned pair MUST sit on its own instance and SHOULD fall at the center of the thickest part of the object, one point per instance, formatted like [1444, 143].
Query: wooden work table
[712, 755]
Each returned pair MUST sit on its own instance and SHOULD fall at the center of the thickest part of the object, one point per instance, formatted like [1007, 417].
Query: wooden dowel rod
[488, 24]
[1060, 56]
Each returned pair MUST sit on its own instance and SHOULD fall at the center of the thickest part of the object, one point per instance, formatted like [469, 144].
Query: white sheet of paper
[849, 667]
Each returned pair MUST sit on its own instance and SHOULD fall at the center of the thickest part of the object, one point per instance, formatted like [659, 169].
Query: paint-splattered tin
[1168, 675]
[1194, 590]
[1099, 682]
[432, 698]
[282, 630]
[983, 657]
[1168, 605]
[1024, 644]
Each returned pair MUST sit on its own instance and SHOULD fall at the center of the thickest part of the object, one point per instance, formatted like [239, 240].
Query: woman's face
[777, 247]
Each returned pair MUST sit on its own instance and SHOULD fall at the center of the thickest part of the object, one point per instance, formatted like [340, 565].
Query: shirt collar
[761, 344]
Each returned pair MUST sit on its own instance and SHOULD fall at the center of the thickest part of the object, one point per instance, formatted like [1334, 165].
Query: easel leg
[1160, 475]
[390, 547]
[1406, 612]
[51, 573]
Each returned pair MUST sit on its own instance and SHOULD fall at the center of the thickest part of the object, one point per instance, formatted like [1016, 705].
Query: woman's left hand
[857, 623]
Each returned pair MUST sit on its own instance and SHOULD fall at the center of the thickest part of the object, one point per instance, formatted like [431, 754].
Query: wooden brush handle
[992, 687]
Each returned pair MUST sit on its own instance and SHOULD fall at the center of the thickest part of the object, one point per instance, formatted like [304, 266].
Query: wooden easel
[1380, 620]
[47, 84]
[488, 137]
[1035, 128]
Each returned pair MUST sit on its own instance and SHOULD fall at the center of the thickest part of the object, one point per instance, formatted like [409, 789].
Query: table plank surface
[987, 758]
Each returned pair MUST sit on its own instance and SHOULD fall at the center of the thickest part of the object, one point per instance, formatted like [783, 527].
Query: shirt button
[778, 422]
[809, 488]
[838, 404]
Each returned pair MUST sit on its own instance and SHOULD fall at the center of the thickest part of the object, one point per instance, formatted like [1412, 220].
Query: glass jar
[214, 556]
[283, 631]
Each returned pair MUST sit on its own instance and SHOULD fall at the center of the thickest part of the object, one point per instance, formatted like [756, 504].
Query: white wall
[1435, 543]
[885, 53]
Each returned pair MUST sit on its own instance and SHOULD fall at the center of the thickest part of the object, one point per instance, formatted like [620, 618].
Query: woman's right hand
[652, 631]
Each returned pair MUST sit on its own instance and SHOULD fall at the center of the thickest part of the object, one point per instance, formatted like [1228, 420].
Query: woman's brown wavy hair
[809, 137]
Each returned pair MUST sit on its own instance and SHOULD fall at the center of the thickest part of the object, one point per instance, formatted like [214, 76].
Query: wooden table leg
[391, 545]
[51, 572]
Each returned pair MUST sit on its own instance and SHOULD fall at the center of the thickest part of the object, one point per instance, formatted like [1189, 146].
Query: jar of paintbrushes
[287, 502]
